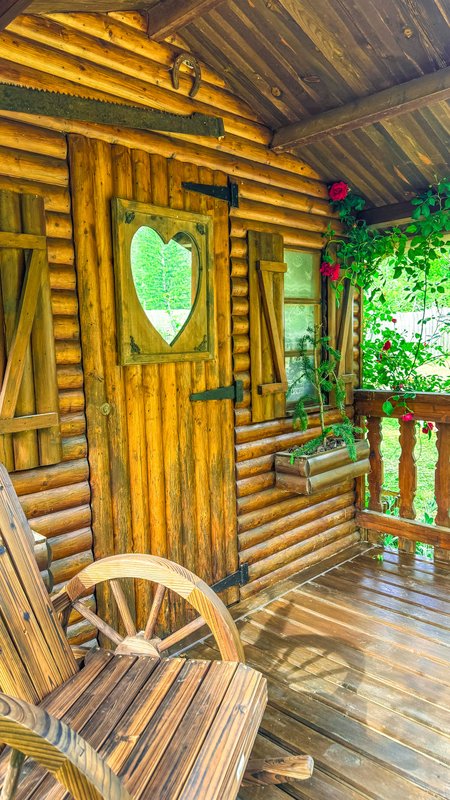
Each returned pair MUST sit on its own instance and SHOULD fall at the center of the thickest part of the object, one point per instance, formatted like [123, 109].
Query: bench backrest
[35, 656]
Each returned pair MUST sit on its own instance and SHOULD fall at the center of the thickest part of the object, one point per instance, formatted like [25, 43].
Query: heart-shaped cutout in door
[166, 279]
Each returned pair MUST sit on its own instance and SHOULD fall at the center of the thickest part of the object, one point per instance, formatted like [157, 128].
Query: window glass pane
[303, 388]
[297, 320]
[302, 278]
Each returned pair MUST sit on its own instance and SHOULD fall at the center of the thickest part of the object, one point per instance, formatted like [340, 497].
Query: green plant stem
[319, 388]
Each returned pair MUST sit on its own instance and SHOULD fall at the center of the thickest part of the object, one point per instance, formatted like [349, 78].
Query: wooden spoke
[178, 636]
[154, 611]
[122, 605]
[165, 575]
[98, 623]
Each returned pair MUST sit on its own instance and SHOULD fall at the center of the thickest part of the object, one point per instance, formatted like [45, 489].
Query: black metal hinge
[230, 192]
[233, 392]
[238, 578]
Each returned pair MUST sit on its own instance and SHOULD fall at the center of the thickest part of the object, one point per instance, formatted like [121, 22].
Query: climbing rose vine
[418, 257]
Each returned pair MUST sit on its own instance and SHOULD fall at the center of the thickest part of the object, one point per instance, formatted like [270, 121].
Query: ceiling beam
[384, 216]
[168, 16]
[376, 107]
[10, 9]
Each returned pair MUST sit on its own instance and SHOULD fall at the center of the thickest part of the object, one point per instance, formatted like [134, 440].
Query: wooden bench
[127, 723]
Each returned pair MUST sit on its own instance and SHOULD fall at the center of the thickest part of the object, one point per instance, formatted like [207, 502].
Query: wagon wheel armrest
[169, 576]
[33, 732]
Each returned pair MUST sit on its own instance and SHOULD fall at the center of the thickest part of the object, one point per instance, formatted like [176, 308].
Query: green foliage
[399, 270]
[346, 431]
[362, 250]
[323, 375]
[311, 447]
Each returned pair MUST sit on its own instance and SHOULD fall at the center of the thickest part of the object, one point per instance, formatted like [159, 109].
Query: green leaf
[387, 407]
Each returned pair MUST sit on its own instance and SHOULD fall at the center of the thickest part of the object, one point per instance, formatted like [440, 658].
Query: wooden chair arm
[166, 573]
[33, 732]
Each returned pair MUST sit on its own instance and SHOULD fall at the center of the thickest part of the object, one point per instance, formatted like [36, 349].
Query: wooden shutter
[344, 339]
[266, 289]
[29, 411]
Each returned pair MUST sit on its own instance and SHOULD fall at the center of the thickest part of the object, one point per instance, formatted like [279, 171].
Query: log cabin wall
[110, 57]
[56, 499]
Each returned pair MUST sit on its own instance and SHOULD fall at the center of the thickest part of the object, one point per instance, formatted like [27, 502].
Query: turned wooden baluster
[407, 479]
[442, 484]
[376, 475]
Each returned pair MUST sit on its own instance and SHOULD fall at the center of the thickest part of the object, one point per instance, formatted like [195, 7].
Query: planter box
[309, 474]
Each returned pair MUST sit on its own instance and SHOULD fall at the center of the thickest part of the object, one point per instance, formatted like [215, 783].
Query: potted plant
[335, 455]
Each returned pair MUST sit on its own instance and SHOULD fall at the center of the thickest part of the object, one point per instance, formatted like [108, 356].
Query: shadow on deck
[358, 663]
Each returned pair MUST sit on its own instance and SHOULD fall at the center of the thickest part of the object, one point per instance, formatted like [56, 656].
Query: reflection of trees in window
[165, 279]
[302, 311]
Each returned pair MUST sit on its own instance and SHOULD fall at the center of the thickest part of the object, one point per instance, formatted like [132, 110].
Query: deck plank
[357, 659]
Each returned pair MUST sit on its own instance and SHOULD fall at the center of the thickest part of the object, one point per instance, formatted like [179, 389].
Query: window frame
[139, 342]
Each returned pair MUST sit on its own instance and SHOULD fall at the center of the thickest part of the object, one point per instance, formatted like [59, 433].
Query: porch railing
[371, 515]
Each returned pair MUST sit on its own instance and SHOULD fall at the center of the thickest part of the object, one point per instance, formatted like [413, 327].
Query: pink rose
[408, 417]
[338, 191]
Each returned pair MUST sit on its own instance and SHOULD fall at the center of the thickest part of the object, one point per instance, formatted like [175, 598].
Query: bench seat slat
[173, 769]
[168, 727]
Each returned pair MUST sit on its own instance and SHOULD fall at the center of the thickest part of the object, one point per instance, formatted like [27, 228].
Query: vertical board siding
[109, 56]
[56, 499]
[141, 423]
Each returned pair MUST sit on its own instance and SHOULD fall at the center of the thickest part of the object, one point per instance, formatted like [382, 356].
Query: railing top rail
[425, 405]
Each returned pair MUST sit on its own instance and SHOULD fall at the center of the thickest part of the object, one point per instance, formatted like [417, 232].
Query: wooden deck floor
[358, 664]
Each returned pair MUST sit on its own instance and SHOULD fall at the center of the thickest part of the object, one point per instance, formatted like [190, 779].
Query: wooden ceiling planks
[394, 101]
[292, 59]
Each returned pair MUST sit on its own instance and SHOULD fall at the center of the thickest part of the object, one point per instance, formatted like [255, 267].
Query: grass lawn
[426, 457]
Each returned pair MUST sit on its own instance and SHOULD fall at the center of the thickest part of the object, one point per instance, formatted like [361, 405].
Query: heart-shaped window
[166, 279]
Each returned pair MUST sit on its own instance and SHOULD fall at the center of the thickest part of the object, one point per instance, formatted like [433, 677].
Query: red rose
[330, 270]
[338, 191]
[425, 429]
[387, 345]
[429, 426]
[407, 417]
[336, 271]
[394, 320]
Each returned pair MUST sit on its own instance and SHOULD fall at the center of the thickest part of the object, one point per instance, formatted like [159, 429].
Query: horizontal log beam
[384, 216]
[427, 406]
[10, 9]
[168, 16]
[405, 528]
[388, 103]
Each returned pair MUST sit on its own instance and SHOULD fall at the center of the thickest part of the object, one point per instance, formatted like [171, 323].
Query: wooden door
[162, 467]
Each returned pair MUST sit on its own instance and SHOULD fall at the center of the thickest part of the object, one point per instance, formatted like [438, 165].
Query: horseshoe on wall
[191, 61]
